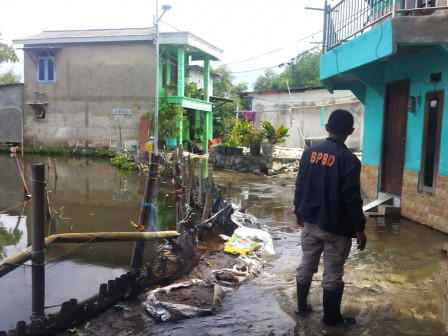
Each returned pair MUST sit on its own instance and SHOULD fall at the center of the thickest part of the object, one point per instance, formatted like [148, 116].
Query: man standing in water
[328, 206]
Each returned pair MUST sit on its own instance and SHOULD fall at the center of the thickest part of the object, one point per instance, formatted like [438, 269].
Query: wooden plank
[377, 202]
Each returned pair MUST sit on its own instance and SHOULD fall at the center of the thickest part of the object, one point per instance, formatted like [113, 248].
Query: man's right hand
[300, 222]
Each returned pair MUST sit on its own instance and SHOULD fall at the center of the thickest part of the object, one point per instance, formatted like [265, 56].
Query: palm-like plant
[274, 136]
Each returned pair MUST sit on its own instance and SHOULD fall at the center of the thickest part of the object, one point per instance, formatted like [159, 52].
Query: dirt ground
[200, 296]
[132, 314]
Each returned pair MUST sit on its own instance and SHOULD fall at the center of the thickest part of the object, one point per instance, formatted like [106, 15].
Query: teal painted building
[394, 57]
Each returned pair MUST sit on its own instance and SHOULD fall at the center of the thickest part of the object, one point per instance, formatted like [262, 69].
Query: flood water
[396, 286]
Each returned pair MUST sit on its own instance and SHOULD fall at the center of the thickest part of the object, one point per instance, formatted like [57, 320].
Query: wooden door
[394, 136]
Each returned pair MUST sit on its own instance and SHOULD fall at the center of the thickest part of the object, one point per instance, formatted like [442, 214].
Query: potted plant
[273, 136]
[169, 119]
[171, 89]
[192, 91]
[232, 145]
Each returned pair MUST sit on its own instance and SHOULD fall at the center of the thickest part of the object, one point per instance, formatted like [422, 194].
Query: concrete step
[374, 204]
[389, 210]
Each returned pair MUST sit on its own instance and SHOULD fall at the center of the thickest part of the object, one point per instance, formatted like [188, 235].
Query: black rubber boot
[332, 309]
[303, 307]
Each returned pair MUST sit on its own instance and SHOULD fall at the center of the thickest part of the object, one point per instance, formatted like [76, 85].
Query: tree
[269, 81]
[9, 77]
[224, 116]
[302, 72]
[305, 70]
[7, 54]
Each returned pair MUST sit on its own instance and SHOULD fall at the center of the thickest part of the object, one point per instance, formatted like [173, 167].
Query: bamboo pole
[97, 237]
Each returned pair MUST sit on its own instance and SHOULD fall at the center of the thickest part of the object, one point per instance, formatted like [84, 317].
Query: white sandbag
[259, 236]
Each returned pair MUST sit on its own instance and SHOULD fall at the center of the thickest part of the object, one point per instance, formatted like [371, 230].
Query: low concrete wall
[246, 163]
[11, 113]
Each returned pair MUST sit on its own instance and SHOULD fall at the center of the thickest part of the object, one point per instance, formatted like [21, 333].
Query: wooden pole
[25, 186]
[201, 182]
[146, 212]
[207, 206]
[229, 191]
[55, 169]
[38, 240]
[210, 179]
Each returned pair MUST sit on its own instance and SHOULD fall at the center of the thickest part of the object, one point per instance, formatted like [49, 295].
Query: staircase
[386, 205]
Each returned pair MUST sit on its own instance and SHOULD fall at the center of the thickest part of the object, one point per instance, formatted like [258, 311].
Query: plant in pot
[232, 144]
[192, 91]
[169, 119]
[253, 140]
[171, 89]
[273, 136]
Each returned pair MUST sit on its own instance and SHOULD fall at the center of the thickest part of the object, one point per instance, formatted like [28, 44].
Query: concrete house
[305, 111]
[90, 88]
[393, 55]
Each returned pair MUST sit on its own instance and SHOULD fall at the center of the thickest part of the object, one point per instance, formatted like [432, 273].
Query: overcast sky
[243, 29]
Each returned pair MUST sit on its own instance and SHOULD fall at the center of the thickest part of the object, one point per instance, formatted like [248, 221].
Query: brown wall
[429, 210]
[91, 80]
[369, 180]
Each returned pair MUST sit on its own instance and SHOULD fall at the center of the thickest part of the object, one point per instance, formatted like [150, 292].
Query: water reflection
[86, 196]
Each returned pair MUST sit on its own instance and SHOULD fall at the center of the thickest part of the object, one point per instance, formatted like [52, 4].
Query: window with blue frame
[46, 72]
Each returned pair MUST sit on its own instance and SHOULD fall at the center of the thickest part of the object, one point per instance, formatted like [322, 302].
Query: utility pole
[326, 11]
[156, 79]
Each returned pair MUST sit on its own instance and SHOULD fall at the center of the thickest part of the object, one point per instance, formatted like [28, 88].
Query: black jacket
[328, 191]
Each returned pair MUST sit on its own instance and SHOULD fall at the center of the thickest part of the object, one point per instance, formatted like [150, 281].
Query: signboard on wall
[121, 111]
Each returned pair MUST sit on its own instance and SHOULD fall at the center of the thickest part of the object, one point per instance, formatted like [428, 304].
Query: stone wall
[247, 163]
[426, 209]
[369, 180]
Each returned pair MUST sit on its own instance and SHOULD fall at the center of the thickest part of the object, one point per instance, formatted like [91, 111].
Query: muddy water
[396, 286]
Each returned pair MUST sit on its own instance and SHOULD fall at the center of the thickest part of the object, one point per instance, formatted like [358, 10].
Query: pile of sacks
[251, 244]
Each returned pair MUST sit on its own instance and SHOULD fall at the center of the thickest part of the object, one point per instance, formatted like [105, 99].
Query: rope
[33, 180]
[152, 213]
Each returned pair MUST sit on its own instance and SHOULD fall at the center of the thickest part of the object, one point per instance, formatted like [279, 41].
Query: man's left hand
[361, 240]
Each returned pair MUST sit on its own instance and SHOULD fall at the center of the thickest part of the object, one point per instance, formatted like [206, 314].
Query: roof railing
[350, 18]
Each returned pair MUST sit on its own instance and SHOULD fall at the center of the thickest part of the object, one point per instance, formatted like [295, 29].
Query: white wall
[310, 112]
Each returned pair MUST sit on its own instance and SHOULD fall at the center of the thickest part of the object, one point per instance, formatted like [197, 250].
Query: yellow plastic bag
[242, 245]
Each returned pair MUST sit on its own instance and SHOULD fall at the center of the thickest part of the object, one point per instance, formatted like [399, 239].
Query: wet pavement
[396, 286]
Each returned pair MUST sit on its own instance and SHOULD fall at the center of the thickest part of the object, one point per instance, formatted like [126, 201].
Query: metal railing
[350, 18]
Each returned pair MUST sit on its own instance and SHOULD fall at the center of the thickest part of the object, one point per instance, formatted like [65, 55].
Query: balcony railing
[350, 18]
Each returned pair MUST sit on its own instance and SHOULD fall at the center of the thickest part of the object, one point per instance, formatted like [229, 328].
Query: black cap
[340, 122]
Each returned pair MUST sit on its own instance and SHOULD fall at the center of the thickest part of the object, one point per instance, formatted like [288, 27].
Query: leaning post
[147, 212]
[38, 239]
